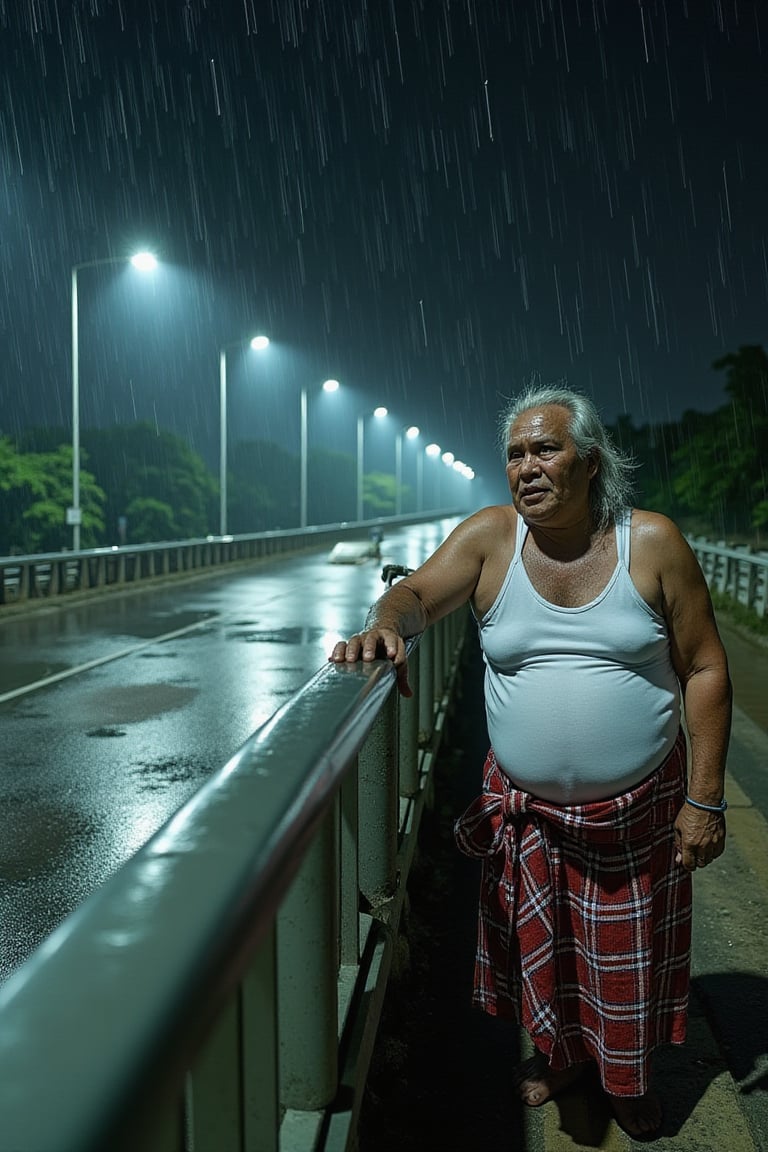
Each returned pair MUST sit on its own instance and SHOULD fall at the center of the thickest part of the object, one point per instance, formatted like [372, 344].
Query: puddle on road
[115, 706]
[295, 635]
[154, 775]
[159, 623]
[38, 837]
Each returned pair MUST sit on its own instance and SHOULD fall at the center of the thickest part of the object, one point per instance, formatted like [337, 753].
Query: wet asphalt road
[114, 710]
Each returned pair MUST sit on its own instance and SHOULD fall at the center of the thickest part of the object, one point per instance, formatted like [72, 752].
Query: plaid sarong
[584, 924]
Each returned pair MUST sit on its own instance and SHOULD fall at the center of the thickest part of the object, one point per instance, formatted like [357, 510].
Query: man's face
[547, 479]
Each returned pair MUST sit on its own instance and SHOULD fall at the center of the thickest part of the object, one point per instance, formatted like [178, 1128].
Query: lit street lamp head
[331, 386]
[258, 343]
[144, 261]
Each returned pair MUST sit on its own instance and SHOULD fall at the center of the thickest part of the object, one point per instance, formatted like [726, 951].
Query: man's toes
[638, 1115]
[530, 1092]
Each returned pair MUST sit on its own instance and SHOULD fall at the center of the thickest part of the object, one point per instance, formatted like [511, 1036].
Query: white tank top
[582, 703]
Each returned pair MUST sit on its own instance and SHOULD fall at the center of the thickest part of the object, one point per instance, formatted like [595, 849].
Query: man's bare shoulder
[655, 535]
[484, 530]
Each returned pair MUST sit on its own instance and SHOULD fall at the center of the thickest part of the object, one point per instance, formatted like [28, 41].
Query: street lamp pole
[360, 438]
[420, 482]
[328, 386]
[257, 343]
[411, 432]
[433, 450]
[73, 515]
[379, 413]
[303, 500]
[223, 442]
[399, 473]
[145, 262]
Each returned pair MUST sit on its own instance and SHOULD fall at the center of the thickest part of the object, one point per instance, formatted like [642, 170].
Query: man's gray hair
[611, 489]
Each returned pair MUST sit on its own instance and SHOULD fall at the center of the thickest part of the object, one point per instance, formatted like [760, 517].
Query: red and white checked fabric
[584, 926]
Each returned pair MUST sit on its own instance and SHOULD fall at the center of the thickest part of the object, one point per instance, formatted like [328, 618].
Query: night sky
[430, 200]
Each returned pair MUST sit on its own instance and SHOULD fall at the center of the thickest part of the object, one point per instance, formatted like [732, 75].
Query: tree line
[707, 471]
[142, 485]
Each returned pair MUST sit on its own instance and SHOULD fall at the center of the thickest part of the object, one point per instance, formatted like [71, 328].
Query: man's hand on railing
[376, 644]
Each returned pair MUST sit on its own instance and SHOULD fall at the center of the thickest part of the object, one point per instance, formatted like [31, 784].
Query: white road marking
[26, 688]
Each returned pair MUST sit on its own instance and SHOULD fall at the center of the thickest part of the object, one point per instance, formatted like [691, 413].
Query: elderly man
[594, 619]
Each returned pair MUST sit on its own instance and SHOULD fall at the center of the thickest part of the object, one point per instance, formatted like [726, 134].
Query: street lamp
[145, 262]
[411, 433]
[433, 451]
[258, 344]
[328, 386]
[379, 413]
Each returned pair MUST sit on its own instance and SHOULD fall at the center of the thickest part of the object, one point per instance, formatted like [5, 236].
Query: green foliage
[35, 492]
[760, 514]
[379, 495]
[151, 519]
[721, 471]
[155, 480]
[652, 447]
[262, 487]
[331, 487]
[709, 470]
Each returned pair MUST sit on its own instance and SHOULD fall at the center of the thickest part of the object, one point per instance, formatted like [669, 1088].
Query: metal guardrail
[736, 572]
[222, 990]
[51, 574]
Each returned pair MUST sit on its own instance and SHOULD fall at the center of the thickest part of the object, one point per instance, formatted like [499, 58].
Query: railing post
[761, 593]
[213, 1097]
[307, 952]
[439, 665]
[426, 685]
[261, 1090]
[349, 880]
[408, 721]
[54, 580]
[379, 806]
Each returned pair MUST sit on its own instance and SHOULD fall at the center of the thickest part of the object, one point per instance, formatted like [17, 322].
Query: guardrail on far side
[736, 572]
[48, 575]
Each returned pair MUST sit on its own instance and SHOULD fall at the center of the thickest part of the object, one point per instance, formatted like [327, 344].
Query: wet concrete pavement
[115, 708]
[441, 1074]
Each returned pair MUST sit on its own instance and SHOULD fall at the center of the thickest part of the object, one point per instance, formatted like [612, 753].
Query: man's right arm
[445, 582]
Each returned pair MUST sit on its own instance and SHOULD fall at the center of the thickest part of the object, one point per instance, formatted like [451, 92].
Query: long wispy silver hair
[612, 487]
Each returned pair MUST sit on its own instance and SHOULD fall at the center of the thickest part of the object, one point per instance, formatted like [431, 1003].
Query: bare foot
[639, 1116]
[537, 1083]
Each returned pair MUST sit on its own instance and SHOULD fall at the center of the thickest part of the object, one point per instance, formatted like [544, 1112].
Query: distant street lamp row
[146, 262]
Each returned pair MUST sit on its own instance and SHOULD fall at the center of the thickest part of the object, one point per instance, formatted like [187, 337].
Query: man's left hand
[699, 837]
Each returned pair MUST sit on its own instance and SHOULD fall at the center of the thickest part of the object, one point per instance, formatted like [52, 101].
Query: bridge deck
[440, 1070]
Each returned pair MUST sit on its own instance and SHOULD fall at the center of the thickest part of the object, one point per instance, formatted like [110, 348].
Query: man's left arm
[701, 665]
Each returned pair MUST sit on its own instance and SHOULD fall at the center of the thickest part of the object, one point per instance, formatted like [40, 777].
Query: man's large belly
[571, 734]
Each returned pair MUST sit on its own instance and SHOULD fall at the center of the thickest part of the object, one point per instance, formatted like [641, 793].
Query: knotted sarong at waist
[584, 920]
